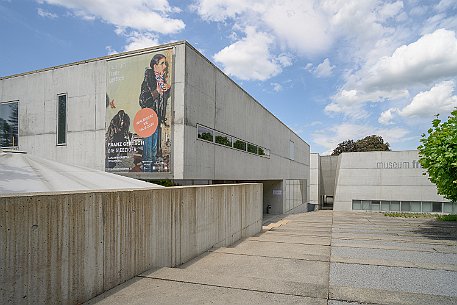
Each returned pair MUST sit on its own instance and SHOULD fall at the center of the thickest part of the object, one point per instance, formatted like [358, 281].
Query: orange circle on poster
[145, 122]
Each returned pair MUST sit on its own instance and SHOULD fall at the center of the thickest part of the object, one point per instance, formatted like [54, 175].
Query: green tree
[345, 146]
[438, 154]
[369, 143]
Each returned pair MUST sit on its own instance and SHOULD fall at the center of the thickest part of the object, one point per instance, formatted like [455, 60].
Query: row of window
[9, 122]
[217, 137]
[405, 206]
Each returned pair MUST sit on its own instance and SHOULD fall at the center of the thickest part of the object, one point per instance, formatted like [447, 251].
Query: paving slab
[279, 250]
[293, 239]
[426, 260]
[140, 291]
[343, 258]
[260, 267]
[279, 285]
[394, 245]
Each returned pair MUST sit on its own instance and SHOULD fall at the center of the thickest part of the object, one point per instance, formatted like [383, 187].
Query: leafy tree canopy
[369, 143]
[438, 154]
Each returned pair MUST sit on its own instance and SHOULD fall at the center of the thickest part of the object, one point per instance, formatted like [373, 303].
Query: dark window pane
[261, 151]
[241, 145]
[223, 139]
[252, 148]
[436, 207]
[9, 126]
[62, 120]
[205, 134]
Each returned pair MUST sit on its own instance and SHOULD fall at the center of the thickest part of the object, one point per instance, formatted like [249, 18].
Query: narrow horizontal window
[238, 144]
[205, 134]
[252, 148]
[223, 139]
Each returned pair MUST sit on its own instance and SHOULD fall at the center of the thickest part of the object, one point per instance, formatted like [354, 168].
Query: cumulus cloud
[444, 5]
[386, 117]
[137, 40]
[431, 57]
[351, 102]
[45, 14]
[139, 15]
[299, 25]
[324, 69]
[250, 58]
[390, 10]
[438, 100]
[332, 136]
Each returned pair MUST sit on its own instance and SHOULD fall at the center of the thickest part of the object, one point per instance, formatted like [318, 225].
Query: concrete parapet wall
[66, 248]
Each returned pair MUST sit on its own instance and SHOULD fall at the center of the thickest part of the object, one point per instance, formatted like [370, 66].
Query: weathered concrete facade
[65, 248]
[378, 181]
[202, 95]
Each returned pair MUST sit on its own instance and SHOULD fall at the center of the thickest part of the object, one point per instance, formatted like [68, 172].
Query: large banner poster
[138, 113]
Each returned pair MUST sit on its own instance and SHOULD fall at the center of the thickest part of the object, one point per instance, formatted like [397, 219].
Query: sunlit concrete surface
[335, 258]
[25, 173]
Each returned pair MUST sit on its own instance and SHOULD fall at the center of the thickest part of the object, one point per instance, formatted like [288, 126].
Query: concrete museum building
[164, 112]
[375, 181]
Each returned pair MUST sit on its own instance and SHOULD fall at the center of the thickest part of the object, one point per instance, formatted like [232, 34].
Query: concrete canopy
[23, 173]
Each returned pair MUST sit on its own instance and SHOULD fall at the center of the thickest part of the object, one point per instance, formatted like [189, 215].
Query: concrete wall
[214, 100]
[85, 86]
[328, 165]
[382, 176]
[66, 248]
[314, 195]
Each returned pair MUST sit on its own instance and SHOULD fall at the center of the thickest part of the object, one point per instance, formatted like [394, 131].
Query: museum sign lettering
[398, 165]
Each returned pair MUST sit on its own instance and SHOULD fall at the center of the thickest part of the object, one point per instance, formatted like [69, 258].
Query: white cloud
[139, 15]
[351, 102]
[332, 136]
[438, 99]
[390, 10]
[250, 58]
[214, 10]
[431, 57]
[137, 40]
[276, 87]
[386, 117]
[45, 14]
[419, 10]
[324, 69]
[444, 5]
[295, 24]
[110, 50]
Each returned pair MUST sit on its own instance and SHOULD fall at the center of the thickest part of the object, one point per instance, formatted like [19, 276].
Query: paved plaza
[317, 258]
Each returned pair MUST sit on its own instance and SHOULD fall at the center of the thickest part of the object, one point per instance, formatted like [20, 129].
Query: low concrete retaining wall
[66, 248]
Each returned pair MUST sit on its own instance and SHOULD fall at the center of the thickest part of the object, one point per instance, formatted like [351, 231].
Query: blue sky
[331, 70]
